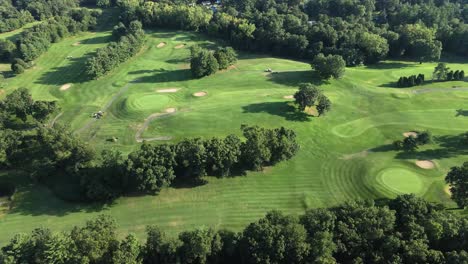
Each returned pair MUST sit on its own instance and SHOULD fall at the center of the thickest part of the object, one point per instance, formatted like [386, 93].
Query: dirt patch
[168, 90]
[76, 43]
[170, 110]
[361, 154]
[447, 190]
[2, 92]
[410, 134]
[425, 164]
[288, 97]
[65, 87]
[179, 46]
[311, 111]
[162, 44]
[200, 94]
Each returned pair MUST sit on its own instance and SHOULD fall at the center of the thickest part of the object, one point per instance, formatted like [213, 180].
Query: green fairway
[344, 155]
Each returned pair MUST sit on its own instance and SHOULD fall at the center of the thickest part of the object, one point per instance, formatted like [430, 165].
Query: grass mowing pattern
[342, 155]
[402, 180]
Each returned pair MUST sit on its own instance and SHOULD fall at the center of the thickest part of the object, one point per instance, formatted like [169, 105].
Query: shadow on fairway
[162, 75]
[74, 72]
[461, 112]
[448, 147]
[96, 40]
[294, 78]
[389, 65]
[282, 109]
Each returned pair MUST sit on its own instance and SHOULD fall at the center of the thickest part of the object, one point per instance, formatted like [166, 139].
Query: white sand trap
[170, 110]
[179, 46]
[162, 44]
[77, 43]
[200, 94]
[410, 134]
[65, 87]
[170, 90]
[425, 164]
[288, 97]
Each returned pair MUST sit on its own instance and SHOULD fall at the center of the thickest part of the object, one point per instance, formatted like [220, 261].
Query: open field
[344, 155]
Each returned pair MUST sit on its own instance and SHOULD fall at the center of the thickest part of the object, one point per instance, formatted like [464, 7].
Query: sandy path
[144, 126]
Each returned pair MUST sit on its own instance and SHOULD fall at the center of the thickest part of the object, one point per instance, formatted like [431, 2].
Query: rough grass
[343, 154]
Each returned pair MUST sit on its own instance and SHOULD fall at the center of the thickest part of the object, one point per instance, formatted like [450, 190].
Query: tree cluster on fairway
[406, 230]
[360, 31]
[411, 143]
[329, 66]
[309, 95]
[108, 58]
[34, 41]
[411, 81]
[204, 62]
[443, 73]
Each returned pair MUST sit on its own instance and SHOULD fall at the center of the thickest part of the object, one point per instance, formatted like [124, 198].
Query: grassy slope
[343, 156]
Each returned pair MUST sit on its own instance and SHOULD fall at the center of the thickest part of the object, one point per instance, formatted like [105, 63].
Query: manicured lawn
[344, 155]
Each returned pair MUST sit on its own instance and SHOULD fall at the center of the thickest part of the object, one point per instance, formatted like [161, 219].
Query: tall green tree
[329, 66]
[307, 95]
[457, 178]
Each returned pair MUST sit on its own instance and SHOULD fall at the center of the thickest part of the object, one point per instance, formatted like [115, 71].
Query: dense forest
[406, 229]
[361, 31]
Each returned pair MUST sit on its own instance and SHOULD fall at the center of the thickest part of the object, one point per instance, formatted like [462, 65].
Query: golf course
[345, 154]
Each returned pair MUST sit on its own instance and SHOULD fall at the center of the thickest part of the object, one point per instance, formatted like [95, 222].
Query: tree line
[204, 62]
[130, 40]
[359, 31]
[36, 40]
[47, 152]
[411, 80]
[406, 229]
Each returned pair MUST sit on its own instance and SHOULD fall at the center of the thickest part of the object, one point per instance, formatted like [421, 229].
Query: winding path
[145, 125]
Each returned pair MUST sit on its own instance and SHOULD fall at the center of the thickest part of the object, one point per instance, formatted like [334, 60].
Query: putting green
[400, 180]
[140, 102]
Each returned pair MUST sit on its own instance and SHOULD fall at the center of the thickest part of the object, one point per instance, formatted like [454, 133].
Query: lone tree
[307, 95]
[329, 66]
[458, 180]
[441, 71]
[323, 105]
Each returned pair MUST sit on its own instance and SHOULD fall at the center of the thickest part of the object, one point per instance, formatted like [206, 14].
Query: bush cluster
[130, 41]
[355, 232]
[411, 81]
[204, 62]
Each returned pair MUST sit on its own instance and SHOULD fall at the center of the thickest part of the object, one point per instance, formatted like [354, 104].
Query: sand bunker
[200, 94]
[76, 43]
[410, 134]
[170, 110]
[169, 90]
[65, 87]
[179, 46]
[425, 164]
[288, 97]
[162, 44]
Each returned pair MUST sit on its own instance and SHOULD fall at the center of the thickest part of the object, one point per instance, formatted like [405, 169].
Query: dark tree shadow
[294, 78]
[142, 71]
[391, 85]
[282, 109]
[383, 148]
[97, 40]
[184, 182]
[177, 61]
[71, 73]
[461, 112]
[388, 65]
[167, 76]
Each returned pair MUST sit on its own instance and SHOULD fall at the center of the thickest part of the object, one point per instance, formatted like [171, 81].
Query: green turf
[402, 180]
[342, 157]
